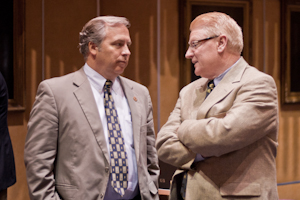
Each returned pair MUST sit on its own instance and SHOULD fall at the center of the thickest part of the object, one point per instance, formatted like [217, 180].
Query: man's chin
[121, 65]
[196, 72]
[120, 69]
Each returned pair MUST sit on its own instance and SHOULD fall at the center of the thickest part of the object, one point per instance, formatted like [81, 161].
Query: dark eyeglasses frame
[195, 43]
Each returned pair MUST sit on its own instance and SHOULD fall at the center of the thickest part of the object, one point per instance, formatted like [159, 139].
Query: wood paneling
[64, 19]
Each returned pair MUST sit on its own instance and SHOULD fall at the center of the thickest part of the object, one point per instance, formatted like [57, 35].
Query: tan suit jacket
[235, 128]
[66, 155]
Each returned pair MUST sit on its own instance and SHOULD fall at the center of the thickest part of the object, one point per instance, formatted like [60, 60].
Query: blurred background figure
[7, 161]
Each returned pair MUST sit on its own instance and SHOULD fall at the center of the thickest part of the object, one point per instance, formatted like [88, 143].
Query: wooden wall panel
[170, 56]
[63, 22]
[64, 19]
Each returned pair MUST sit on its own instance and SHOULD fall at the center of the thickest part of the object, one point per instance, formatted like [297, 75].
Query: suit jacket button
[106, 169]
[101, 195]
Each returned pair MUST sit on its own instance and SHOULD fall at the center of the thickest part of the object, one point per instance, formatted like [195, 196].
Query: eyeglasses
[196, 43]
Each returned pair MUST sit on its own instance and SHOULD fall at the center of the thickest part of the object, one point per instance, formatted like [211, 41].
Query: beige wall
[59, 55]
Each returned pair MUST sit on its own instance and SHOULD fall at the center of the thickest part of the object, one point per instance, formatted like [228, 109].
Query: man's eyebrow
[123, 41]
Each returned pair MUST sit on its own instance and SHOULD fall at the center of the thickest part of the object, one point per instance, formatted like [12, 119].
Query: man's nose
[189, 53]
[126, 50]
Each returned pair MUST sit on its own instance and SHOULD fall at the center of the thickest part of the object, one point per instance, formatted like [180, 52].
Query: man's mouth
[122, 61]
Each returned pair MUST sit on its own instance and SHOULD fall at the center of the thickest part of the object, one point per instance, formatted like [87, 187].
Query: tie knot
[210, 86]
[107, 84]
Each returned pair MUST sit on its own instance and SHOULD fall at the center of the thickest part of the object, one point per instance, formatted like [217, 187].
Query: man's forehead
[197, 23]
[197, 33]
[116, 28]
[118, 32]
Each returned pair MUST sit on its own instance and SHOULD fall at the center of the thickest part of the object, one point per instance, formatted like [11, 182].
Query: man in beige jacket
[222, 133]
[69, 150]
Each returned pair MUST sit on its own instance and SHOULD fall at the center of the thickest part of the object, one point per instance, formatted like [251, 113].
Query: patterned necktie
[183, 184]
[119, 166]
[210, 87]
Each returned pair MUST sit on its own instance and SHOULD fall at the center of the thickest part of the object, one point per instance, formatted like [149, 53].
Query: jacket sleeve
[152, 159]
[252, 116]
[169, 147]
[41, 145]
[251, 112]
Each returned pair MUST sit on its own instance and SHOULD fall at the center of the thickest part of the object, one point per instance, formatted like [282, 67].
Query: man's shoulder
[128, 82]
[249, 69]
[63, 79]
[63, 83]
[242, 71]
[254, 73]
[199, 83]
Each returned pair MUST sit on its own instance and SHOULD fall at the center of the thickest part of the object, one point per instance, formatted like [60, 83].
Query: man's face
[204, 54]
[113, 55]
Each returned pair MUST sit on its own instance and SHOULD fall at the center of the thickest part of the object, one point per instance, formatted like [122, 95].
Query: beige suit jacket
[235, 128]
[66, 155]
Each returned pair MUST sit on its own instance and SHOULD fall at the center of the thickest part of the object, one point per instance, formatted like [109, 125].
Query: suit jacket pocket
[152, 188]
[66, 191]
[240, 189]
[147, 127]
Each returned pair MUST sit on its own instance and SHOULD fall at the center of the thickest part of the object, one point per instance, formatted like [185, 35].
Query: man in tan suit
[69, 150]
[222, 139]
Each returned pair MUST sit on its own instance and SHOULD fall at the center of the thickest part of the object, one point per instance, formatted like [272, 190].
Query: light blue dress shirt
[97, 83]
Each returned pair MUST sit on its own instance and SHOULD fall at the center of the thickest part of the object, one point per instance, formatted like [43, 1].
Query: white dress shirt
[97, 83]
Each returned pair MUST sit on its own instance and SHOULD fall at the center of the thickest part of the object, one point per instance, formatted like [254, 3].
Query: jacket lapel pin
[134, 98]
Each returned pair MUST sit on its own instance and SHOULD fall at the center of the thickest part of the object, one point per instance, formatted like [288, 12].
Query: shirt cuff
[198, 158]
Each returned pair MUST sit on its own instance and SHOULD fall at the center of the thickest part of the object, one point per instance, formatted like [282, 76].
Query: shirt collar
[98, 81]
[221, 76]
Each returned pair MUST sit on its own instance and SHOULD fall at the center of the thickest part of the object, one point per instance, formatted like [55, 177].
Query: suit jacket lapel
[84, 95]
[135, 115]
[226, 85]
[198, 96]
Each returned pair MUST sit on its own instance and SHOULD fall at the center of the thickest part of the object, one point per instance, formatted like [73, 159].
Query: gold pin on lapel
[134, 98]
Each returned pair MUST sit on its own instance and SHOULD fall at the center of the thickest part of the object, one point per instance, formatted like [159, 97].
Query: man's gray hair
[95, 31]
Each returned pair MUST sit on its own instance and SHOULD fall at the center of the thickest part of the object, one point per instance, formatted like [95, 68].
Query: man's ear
[222, 43]
[93, 48]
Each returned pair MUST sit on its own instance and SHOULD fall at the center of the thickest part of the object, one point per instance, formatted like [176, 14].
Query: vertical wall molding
[98, 7]
[264, 36]
[158, 65]
[43, 39]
